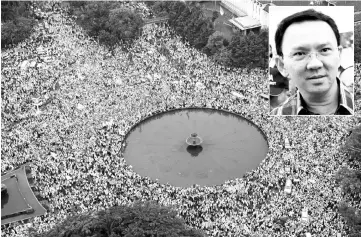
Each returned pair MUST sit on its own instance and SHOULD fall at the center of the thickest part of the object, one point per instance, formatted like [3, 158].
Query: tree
[10, 10]
[187, 19]
[109, 22]
[222, 57]
[353, 143]
[13, 32]
[243, 53]
[350, 181]
[125, 25]
[250, 50]
[17, 22]
[215, 15]
[141, 219]
[201, 34]
[161, 8]
[214, 44]
[351, 216]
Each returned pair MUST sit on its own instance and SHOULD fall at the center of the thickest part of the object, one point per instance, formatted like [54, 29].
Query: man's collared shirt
[295, 105]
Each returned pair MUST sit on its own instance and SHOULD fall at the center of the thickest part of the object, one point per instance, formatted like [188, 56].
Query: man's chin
[318, 85]
[318, 89]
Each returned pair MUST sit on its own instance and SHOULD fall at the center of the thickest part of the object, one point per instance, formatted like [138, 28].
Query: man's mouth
[315, 77]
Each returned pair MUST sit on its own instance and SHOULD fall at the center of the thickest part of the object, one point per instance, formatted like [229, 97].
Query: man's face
[311, 56]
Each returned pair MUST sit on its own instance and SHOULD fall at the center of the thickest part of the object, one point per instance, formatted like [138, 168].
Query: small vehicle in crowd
[287, 144]
[288, 186]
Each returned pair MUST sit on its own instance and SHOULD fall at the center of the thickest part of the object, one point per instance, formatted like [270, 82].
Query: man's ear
[281, 66]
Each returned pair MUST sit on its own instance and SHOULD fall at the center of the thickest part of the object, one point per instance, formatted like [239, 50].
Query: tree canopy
[109, 22]
[17, 22]
[350, 181]
[141, 219]
[216, 42]
[187, 19]
[249, 50]
[352, 218]
[353, 143]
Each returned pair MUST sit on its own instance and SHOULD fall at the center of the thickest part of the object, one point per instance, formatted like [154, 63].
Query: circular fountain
[225, 146]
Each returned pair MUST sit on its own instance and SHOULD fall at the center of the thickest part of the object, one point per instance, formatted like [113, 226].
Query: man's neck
[323, 104]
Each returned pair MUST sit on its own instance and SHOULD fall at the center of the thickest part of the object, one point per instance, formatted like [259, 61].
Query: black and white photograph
[159, 118]
[303, 84]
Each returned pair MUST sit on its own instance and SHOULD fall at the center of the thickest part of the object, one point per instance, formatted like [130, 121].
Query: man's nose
[314, 62]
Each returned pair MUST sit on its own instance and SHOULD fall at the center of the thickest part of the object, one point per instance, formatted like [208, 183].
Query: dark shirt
[295, 105]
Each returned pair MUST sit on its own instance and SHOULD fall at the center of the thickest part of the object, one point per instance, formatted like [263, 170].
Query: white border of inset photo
[283, 88]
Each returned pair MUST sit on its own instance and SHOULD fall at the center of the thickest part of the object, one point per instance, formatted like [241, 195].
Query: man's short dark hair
[308, 15]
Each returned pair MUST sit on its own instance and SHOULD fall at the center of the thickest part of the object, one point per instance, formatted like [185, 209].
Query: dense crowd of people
[68, 104]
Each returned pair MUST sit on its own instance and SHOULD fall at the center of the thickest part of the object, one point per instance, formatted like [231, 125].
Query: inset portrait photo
[311, 60]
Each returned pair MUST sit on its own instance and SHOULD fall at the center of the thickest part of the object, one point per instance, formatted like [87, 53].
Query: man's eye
[326, 50]
[299, 54]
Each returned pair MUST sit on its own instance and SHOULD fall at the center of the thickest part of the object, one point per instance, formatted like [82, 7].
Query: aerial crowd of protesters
[67, 104]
